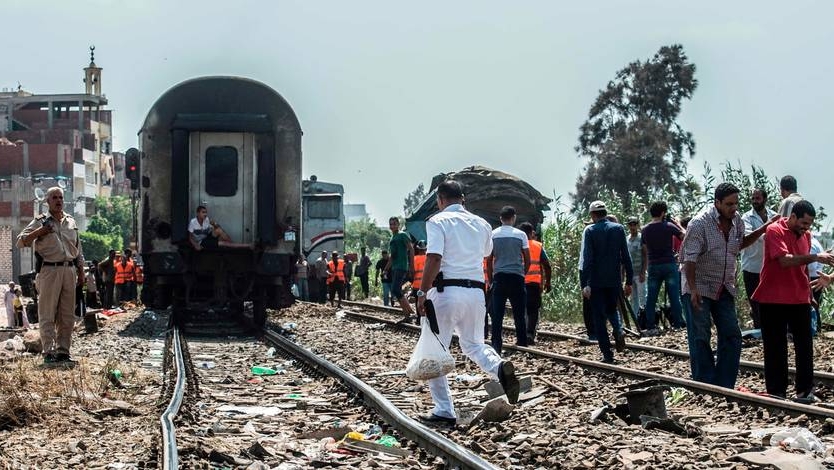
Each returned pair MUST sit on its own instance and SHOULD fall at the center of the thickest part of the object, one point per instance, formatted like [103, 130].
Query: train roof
[211, 98]
[312, 187]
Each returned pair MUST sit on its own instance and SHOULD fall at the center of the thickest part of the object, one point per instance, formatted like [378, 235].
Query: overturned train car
[234, 146]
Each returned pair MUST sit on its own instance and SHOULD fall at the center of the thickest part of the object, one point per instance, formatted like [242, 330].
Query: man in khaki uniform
[55, 239]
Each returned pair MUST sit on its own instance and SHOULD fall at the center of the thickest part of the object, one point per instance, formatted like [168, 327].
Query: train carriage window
[324, 207]
[221, 171]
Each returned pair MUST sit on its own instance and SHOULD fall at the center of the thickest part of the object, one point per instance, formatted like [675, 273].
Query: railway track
[744, 397]
[550, 426]
[219, 413]
[823, 378]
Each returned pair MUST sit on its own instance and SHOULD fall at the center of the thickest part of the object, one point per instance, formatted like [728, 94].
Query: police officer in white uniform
[458, 242]
[55, 239]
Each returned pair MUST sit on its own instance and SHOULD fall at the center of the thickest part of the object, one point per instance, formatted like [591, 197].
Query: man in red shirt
[784, 294]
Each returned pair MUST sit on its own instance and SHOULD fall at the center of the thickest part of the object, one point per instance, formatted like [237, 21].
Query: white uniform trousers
[460, 310]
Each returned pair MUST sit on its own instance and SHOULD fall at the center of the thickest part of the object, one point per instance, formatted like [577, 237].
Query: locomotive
[232, 145]
[323, 218]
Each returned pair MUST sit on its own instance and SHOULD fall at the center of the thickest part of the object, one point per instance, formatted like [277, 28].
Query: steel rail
[170, 457]
[823, 377]
[826, 378]
[433, 442]
[766, 402]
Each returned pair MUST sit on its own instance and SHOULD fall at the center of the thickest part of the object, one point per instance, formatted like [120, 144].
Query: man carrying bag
[458, 242]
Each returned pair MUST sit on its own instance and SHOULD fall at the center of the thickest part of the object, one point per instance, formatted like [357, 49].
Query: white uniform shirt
[462, 239]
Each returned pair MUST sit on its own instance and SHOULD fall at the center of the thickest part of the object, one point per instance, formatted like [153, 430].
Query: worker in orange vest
[534, 281]
[419, 264]
[131, 278]
[124, 276]
[336, 278]
[139, 279]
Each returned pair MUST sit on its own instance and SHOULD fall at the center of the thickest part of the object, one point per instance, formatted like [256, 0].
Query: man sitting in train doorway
[206, 233]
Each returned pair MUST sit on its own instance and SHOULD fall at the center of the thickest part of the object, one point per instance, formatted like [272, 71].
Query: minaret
[92, 76]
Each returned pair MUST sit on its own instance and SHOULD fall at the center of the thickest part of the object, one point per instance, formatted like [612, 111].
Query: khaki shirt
[63, 244]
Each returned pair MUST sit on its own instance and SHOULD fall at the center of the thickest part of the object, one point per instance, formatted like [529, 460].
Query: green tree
[414, 199]
[96, 245]
[632, 140]
[113, 215]
[364, 232]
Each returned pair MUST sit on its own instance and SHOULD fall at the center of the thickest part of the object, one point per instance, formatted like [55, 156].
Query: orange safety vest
[124, 273]
[486, 275]
[419, 264]
[336, 272]
[140, 275]
[534, 273]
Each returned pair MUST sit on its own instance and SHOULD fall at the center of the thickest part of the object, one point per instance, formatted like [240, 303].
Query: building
[355, 212]
[51, 140]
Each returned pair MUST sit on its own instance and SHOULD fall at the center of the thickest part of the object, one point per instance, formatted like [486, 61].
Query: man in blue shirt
[605, 256]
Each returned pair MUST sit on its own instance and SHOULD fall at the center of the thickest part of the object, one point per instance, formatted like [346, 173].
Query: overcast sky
[389, 94]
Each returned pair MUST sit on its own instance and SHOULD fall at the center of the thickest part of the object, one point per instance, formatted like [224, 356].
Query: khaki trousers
[56, 307]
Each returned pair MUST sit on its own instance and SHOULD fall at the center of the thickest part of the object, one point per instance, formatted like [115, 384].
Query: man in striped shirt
[713, 240]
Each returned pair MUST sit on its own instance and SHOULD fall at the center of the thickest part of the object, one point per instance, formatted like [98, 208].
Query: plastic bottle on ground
[261, 370]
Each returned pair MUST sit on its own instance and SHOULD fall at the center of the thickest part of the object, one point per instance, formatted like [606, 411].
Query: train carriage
[234, 146]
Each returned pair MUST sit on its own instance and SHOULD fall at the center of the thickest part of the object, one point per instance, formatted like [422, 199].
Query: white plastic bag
[430, 358]
[294, 291]
[797, 438]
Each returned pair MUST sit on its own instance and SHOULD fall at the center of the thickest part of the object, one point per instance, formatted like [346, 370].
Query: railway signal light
[132, 167]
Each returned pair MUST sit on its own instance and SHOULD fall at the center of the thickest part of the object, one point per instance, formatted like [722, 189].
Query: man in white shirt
[752, 256]
[790, 195]
[458, 242]
[204, 233]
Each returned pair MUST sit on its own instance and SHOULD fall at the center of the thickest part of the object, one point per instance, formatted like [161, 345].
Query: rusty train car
[233, 145]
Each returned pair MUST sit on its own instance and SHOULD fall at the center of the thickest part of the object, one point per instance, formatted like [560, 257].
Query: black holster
[38, 262]
[438, 282]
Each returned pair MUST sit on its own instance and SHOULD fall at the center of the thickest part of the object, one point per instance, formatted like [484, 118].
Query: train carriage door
[222, 179]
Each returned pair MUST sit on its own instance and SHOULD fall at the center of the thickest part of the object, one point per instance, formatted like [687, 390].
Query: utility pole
[134, 239]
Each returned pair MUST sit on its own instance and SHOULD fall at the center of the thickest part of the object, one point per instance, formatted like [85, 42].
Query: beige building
[48, 140]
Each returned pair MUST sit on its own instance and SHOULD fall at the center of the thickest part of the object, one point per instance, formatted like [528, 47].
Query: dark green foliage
[365, 233]
[96, 245]
[632, 140]
[113, 216]
[359, 233]
[413, 199]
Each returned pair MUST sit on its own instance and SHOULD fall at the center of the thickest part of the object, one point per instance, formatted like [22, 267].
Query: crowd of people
[696, 260]
[467, 272]
[691, 260]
